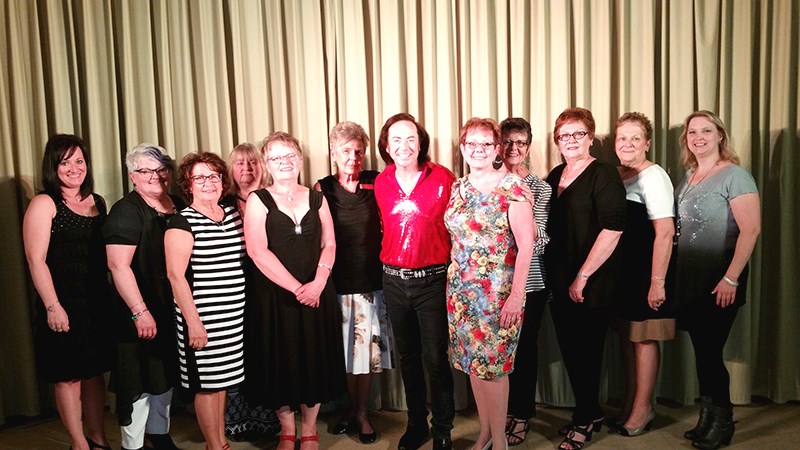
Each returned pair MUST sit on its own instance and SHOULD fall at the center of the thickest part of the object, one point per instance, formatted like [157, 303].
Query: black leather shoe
[442, 443]
[414, 437]
[367, 438]
[160, 442]
[344, 427]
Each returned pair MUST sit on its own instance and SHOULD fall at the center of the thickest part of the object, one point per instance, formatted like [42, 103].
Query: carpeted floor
[761, 425]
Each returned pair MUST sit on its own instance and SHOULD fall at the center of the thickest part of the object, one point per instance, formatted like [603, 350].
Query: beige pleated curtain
[206, 75]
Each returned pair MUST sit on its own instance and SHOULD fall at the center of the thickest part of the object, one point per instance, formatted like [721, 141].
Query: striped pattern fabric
[542, 192]
[216, 277]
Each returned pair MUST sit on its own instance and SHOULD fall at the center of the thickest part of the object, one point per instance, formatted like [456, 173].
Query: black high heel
[575, 444]
[597, 426]
[94, 445]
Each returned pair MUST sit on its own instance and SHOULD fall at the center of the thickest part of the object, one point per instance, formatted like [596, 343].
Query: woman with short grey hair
[146, 367]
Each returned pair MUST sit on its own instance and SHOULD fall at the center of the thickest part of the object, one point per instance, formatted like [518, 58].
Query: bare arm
[523, 226]
[119, 263]
[603, 247]
[178, 250]
[310, 292]
[258, 246]
[36, 227]
[662, 250]
[746, 210]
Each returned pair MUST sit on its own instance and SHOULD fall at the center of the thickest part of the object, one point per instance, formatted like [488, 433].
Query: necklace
[686, 190]
[289, 194]
[689, 186]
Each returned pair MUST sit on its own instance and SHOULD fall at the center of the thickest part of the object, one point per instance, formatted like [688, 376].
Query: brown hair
[58, 148]
[574, 115]
[477, 123]
[516, 124]
[639, 119]
[424, 139]
[212, 160]
[726, 152]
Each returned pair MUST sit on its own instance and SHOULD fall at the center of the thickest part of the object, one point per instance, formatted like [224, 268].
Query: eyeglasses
[161, 171]
[578, 135]
[289, 157]
[486, 146]
[201, 179]
[518, 144]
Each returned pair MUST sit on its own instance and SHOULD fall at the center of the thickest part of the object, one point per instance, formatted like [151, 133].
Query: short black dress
[294, 353]
[76, 258]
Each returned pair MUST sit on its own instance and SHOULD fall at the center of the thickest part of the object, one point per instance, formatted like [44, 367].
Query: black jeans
[418, 313]
[522, 381]
[581, 333]
[709, 328]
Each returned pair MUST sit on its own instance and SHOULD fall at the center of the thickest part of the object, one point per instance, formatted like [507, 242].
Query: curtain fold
[206, 75]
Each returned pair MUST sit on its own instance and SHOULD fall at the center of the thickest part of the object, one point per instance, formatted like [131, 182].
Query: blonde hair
[726, 152]
[247, 151]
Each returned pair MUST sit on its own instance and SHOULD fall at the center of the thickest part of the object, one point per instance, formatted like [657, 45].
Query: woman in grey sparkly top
[718, 221]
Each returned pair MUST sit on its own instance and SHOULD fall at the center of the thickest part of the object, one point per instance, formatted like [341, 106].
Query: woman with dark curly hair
[204, 246]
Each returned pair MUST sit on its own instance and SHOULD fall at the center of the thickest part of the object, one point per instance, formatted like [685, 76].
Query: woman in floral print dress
[492, 230]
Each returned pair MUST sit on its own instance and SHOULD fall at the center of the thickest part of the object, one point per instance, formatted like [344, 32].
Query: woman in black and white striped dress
[204, 246]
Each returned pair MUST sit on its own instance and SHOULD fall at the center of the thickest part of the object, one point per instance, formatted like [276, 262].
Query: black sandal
[597, 425]
[574, 444]
[517, 437]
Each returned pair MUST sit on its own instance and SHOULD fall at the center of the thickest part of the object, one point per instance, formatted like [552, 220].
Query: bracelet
[135, 316]
[52, 307]
[134, 306]
[295, 291]
[657, 278]
[324, 266]
[729, 281]
[583, 275]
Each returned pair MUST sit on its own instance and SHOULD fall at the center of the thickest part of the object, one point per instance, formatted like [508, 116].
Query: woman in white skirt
[357, 272]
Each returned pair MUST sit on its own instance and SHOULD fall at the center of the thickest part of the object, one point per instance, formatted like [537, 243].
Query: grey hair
[152, 151]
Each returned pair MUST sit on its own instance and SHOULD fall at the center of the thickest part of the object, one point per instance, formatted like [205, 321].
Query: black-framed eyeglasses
[578, 135]
[517, 144]
[201, 179]
[486, 146]
[161, 171]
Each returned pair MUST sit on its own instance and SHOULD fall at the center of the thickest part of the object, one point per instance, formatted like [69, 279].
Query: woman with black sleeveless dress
[294, 338]
[67, 260]
[358, 277]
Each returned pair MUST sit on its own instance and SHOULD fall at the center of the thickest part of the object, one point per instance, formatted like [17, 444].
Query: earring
[497, 163]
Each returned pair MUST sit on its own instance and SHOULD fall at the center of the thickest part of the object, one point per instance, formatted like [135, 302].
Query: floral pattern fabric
[367, 333]
[479, 278]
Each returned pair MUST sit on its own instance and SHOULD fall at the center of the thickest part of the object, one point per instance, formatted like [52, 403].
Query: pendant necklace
[689, 187]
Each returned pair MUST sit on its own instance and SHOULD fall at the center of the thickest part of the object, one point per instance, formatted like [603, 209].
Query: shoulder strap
[266, 198]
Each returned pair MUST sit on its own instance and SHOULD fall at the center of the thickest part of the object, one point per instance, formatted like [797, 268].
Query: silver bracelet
[729, 281]
[324, 266]
[135, 316]
[583, 275]
[52, 307]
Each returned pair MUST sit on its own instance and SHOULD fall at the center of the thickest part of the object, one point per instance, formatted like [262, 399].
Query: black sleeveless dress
[293, 353]
[76, 258]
